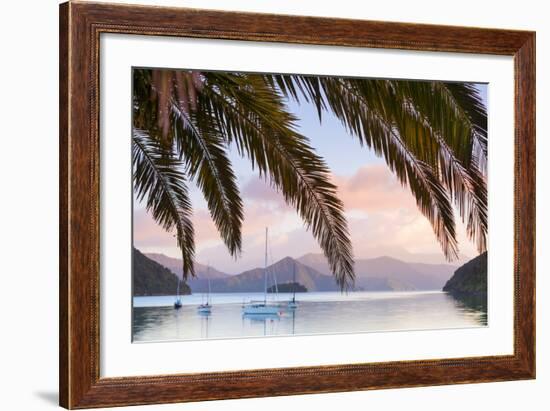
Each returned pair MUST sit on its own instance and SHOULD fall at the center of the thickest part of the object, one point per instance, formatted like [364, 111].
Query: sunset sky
[382, 215]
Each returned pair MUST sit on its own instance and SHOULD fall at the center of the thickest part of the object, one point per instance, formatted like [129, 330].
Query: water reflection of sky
[414, 311]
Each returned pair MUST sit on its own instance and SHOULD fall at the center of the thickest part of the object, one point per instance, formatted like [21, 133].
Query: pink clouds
[263, 207]
[259, 189]
[382, 215]
[390, 218]
[373, 188]
[147, 233]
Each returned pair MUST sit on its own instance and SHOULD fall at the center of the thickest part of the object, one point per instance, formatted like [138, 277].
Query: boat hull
[261, 309]
[204, 309]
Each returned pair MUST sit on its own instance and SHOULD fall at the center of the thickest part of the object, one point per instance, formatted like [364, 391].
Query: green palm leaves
[432, 135]
[158, 177]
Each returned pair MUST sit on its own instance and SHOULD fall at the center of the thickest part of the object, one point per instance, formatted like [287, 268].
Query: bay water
[155, 319]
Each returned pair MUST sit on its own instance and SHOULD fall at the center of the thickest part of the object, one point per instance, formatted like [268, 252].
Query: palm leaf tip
[257, 122]
[203, 147]
[431, 134]
[159, 180]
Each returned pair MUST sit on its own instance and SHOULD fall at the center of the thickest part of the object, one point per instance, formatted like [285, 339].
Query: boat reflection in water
[270, 322]
[155, 319]
[178, 304]
[205, 320]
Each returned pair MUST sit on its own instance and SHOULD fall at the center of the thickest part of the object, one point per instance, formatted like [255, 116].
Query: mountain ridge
[470, 277]
[279, 272]
[152, 278]
[377, 274]
[419, 276]
[176, 266]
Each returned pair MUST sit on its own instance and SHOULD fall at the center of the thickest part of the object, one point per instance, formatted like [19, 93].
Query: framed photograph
[260, 205]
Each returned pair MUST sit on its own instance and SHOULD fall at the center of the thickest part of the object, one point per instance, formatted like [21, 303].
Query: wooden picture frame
[80, 27]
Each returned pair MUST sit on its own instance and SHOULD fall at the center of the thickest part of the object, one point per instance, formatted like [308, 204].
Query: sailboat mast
[208, 298]
[208, 277]
[265, 269]
[294, 283]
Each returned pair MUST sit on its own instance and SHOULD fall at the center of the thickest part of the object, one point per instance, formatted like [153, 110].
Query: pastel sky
[382, 215]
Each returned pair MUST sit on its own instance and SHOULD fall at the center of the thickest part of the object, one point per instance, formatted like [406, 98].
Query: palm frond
[432, 135]
[255, 120]
[196, 142]
[467, 97]
[429, 116]
[366, 111]
[203, 149]
[159, 179]
[478, 210]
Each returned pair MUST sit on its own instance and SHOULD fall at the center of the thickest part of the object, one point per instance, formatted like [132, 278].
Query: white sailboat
[262, 307]
[206, 308]
[177, 303]
[293, 304]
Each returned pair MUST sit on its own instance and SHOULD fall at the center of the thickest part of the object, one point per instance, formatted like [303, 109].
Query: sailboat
[177, 303]
[292, 304]
[206, 308]
[262, 307]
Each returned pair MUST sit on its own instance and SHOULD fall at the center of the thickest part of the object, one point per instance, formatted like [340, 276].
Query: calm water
[155, 319]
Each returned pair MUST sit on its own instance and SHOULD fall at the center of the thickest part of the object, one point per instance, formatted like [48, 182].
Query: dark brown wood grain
[63, 206]
[80, 27]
